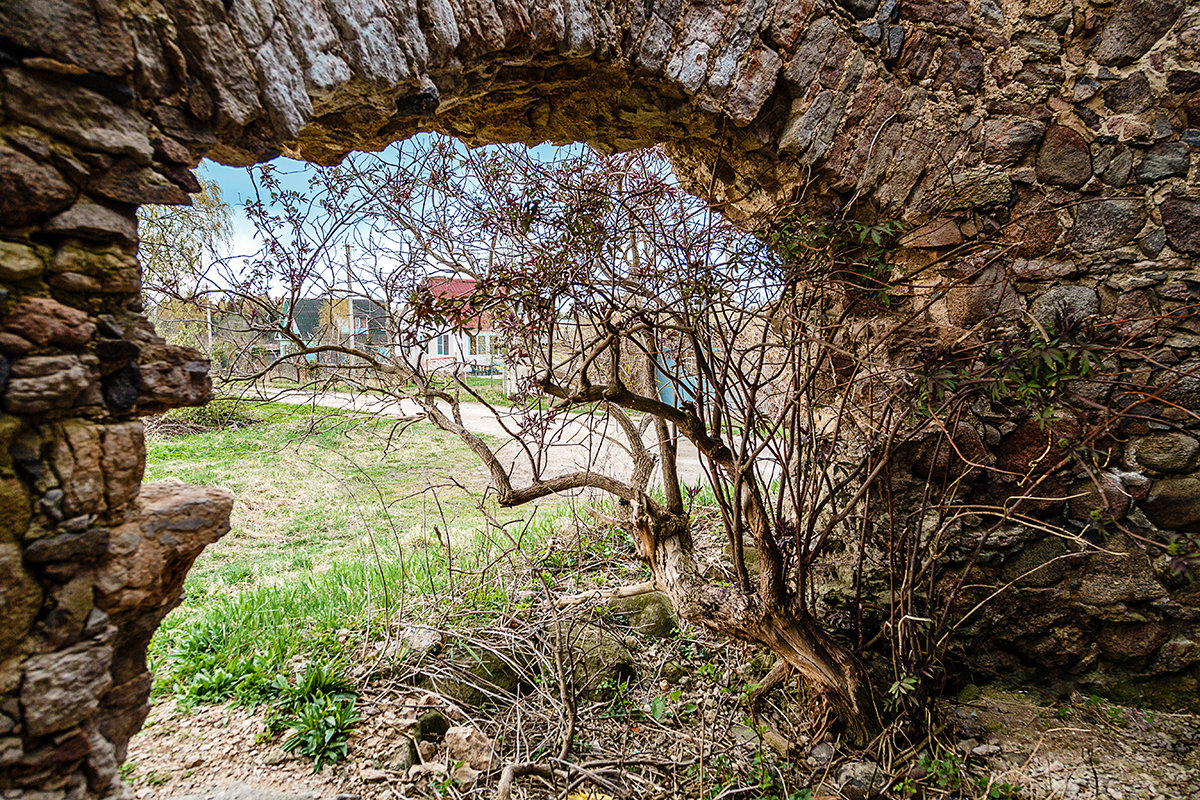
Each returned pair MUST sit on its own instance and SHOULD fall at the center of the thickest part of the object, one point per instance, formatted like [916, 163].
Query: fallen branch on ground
[633, 590]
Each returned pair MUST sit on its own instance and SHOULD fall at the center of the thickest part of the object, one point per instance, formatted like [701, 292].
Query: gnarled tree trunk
[787, 629]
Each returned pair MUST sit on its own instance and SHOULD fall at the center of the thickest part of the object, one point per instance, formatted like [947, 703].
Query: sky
[237, 188]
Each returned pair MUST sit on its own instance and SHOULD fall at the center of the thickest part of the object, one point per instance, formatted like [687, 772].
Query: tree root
[779, 673]
[520, 770]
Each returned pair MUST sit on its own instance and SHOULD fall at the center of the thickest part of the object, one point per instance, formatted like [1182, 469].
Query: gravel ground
[1097, 752]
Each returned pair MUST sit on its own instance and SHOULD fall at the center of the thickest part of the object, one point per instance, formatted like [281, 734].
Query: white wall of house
[472, 351]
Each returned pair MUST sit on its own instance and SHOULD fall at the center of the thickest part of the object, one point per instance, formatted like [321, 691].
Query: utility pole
[349, 303]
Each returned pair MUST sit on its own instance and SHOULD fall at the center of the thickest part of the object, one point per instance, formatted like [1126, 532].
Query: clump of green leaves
[948, 773]
[319, 708]
[900, 690]
[854, 253]
[1032, 366]
[672, 705]
[318, 705]
[198, 670]
[321, 728]
[1035, 372]
[318, 680]
[1183, 555]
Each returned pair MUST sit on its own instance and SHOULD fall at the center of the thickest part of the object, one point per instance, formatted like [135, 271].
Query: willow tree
[176, 246]
[176, 243]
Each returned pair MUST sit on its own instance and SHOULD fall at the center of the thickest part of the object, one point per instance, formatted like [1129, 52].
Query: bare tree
[617, 292]
[786, 361]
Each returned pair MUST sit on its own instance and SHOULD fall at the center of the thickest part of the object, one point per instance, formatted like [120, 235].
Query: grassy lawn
[314, 488]
[490, 388]
[341, 523]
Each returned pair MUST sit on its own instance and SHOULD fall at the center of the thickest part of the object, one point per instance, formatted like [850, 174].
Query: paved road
[571, 442]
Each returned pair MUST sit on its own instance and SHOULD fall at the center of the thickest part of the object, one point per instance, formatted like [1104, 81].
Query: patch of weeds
[949, 774]
[1097, 710]
[593, 546]
[766, 774]
[619, 697]
[319, 708]
[945, 771]
[318, 705]
[762, 777]
[318, 680]
[321, 728]
[709, 671]
[1183, 556]
[444, 787]
[155, 778]
[203, 668]
[221, 412]
[672, 705]
[999, 791]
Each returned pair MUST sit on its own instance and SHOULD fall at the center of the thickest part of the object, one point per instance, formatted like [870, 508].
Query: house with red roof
[463, 339]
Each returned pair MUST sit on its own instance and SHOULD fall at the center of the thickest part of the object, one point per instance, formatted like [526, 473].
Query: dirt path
[571, 443]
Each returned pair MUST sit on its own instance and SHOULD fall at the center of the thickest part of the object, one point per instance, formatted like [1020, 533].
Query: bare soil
[1097, 752]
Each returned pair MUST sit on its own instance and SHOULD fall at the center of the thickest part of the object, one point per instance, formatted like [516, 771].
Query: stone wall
[1038, 151]
[90, 560]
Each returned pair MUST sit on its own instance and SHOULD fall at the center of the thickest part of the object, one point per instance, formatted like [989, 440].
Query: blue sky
[237, 187]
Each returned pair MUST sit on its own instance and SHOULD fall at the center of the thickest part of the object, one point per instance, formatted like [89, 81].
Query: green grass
[314, 487]
[336, 535]
[490, 388]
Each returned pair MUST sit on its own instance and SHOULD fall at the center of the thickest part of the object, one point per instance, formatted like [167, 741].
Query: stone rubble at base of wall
[1066, 134]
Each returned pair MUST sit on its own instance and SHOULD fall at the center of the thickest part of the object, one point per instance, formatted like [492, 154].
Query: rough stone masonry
[1065, 132]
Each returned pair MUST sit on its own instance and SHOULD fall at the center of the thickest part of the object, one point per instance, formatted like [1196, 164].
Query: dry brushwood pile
[218, 414]
[569, 693]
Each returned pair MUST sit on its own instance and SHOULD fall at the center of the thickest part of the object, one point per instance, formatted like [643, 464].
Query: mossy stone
[976, 188]
[598, 659]
[20, 598]
[478, 674]
[1024, 570]
[650, 614]
[432, 726]
[14, 509]
[969, 693]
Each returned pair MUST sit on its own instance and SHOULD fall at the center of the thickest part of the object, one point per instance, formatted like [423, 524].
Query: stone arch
[1067, 131]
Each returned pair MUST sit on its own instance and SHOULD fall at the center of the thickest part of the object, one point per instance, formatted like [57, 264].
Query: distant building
[470, 343]
[316, 321]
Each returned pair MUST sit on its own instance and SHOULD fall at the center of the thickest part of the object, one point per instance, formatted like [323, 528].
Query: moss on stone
[976, 188]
